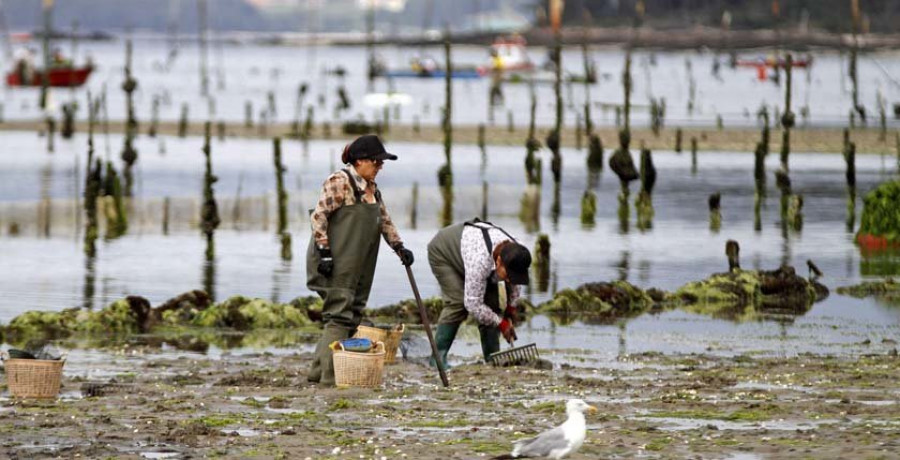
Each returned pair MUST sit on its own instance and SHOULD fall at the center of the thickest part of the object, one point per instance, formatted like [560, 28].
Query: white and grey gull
[558, 442]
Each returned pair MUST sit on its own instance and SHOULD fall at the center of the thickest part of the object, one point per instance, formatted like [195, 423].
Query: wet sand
[824, 140]
[650, 406]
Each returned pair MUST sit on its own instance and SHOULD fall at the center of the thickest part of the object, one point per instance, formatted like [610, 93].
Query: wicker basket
[33, 378]
[353, 369]
[390, 337]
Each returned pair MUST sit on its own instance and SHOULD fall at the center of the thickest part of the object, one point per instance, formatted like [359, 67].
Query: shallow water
[44, 267]
[249, 72]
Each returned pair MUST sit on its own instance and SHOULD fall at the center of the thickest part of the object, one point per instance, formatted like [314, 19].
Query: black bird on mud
[814, 272]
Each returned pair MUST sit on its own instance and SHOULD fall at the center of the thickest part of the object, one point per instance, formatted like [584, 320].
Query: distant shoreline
[735, 139]
[665, 39]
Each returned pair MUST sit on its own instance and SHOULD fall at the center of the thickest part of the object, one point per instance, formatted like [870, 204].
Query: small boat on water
[772, 62]
[462, 73]
[508, 54]
[763, 64]
[508, 57]
[63, 77]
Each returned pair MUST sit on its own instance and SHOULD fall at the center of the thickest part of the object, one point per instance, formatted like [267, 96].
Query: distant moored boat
[65, 77]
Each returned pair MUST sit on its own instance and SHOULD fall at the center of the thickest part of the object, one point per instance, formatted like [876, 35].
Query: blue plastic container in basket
[358, 369]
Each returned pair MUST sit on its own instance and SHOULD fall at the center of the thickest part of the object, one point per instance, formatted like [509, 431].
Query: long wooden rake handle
[427, 325]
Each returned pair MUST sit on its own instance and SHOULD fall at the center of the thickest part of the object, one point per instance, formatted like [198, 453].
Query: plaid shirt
[337, 192]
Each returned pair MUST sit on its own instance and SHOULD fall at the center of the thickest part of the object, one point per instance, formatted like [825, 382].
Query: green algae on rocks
[134, 315]
[614, 299]
[779, 289]
[242, 313]
[886, 288]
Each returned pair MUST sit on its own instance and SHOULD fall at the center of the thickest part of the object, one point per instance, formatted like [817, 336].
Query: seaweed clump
[885, 289]
[130, 315]
[881, 213]
[601, 300]
[134, 315]
[243, 313]
[779, 289]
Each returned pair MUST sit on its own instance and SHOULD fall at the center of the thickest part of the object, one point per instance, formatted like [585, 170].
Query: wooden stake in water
[644, 202]
[578, 132]
[154, 117]
[484, 200]
[165, 215]
[209, 214]
[715, 212]
[183, 121]
[203, 21]
[693, 155]
[588, 208]
[286, 253]
[129, 153]
[92, 185]
[850, 159]
[853, 70]
[47, 7]
[51, 133]
[555, 138]
[532, 145]
[679, 134]
[788, 119]
[414, 206]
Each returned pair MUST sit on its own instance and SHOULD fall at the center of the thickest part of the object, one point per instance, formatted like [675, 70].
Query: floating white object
[381, 100]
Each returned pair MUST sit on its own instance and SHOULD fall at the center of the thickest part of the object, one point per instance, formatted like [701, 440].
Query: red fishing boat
[772, 62]
[65, 77]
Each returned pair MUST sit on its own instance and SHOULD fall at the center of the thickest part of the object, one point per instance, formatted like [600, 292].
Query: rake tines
[517, 356]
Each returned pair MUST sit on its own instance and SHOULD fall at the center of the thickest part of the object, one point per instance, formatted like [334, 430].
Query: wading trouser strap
[357, 193]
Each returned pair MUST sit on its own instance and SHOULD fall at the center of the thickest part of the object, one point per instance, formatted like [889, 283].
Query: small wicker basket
[33, 378]
[390, 337]
[352, 369]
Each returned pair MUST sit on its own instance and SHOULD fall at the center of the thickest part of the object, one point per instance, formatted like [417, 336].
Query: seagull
[558, 442]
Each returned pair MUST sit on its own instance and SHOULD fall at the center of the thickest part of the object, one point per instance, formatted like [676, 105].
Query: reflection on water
[161, 256]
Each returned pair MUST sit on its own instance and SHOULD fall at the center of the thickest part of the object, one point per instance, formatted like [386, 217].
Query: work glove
[406, 256]
[508, 331]
[326, 262]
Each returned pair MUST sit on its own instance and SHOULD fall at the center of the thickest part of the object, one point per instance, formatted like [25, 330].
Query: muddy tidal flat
[750, 406]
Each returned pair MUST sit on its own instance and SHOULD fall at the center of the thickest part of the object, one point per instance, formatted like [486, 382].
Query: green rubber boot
[446, 333]
[322, 369]
[490, 340]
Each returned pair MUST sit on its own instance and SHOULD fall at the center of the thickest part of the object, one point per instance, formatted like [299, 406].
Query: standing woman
[340, 262]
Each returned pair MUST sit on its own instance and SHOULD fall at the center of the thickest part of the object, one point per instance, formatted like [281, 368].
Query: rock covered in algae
[776, 289]
[134, 315]
[243, 313]
[182, 309]
[613, 299]
[886, 288]
[130, 315]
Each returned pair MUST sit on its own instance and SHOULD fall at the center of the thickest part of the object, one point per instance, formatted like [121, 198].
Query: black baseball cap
[517, 260]
[368, 147]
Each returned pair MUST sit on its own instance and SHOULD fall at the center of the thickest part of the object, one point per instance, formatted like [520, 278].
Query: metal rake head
[518, 356]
